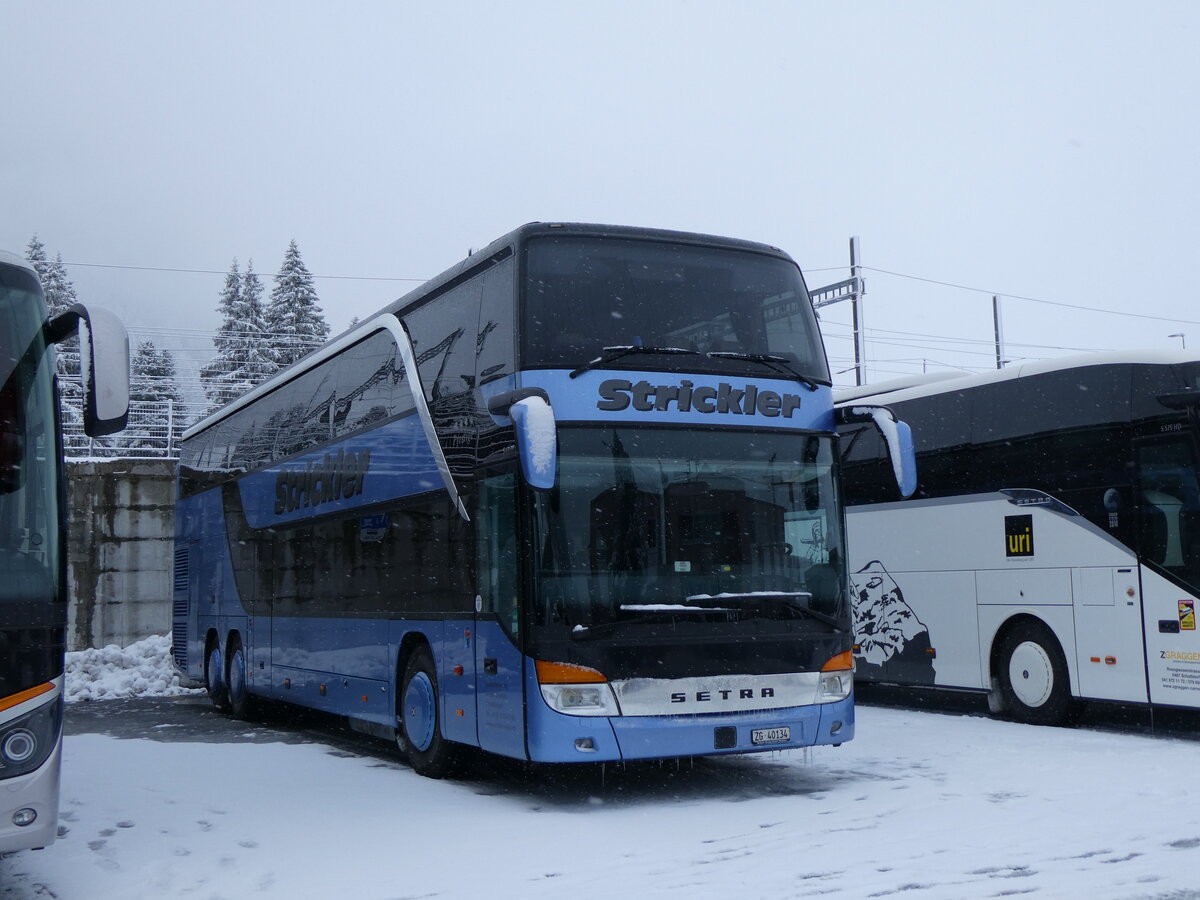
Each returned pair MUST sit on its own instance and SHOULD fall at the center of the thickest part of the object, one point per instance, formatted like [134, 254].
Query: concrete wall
[119, 550]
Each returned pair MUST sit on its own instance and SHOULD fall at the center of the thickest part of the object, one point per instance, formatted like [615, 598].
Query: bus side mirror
[103, 364]
[897, 437]
[536, 433]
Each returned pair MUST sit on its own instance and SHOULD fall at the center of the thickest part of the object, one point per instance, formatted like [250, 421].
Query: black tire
[420, 726]
[214, 677]
[1033, 675]
[241, 703]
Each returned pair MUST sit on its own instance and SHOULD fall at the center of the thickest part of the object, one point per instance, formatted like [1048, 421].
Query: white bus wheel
[1033, 675]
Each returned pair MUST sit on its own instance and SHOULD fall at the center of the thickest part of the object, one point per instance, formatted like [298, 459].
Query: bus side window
[496, 548]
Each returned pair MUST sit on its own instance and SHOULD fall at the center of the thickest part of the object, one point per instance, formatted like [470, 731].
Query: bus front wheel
[1033, 675]
[241, 703]
[429, 753]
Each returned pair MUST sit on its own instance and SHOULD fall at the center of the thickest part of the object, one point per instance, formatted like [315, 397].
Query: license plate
[771, 735]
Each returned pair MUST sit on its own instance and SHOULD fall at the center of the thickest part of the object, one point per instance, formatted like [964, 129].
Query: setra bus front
[667, 564]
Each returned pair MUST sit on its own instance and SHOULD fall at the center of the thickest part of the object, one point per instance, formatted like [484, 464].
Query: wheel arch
[1024, 617]
[408, 646]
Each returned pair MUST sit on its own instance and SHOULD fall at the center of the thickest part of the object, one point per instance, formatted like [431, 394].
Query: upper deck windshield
[652, 525]
[29, 539]
[583, 294]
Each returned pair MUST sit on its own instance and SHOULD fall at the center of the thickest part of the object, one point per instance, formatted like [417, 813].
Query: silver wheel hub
[1031, 673]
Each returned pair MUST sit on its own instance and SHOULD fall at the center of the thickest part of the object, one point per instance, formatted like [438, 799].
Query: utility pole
[998, 331]
[852, 289]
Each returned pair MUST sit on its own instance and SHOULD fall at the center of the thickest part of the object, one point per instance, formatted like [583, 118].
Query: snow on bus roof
[13, 259]
[897, 389]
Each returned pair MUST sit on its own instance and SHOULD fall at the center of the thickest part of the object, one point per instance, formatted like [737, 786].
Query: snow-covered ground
[920, 805]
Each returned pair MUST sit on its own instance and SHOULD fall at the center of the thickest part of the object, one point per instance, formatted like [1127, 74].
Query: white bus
[1051, 552]
[33, 535]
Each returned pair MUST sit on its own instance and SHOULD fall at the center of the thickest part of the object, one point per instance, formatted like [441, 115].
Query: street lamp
[1182, 339]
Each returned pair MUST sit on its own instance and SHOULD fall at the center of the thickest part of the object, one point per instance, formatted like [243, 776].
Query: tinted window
[419, 561]
[1093, 395]
[495, 342]
[583, 294]
[371, 384]
[443, 333]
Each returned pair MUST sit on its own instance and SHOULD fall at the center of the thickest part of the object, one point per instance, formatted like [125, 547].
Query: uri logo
[893, 643]
[1018, 535]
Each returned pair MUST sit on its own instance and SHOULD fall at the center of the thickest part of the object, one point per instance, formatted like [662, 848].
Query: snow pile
[144, 669]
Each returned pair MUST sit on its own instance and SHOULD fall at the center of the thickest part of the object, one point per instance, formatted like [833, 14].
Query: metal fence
[153, 431]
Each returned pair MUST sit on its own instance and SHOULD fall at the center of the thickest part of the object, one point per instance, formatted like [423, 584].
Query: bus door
[500, 699]
[1169, 546]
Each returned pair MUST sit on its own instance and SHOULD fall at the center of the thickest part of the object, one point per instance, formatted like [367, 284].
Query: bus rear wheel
[1033, 675]
[214, 678]
[428, 752]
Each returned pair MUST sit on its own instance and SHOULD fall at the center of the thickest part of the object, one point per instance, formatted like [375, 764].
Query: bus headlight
[27, 742]
[835, 686]
[837, 678]
[575, 690]
[580, 699]
[19, 745]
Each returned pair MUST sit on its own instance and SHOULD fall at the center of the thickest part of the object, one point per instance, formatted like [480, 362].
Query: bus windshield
[29, 539]
[1169, 498]
[584, 294]
[652, 524]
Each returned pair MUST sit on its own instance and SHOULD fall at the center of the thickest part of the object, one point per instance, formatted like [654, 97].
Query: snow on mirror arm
[897, 437]
[536, 433]
[104, 364]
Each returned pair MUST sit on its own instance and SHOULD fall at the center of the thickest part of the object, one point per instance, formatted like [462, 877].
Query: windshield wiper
[657, 614]
[614, 353]
[778, 363]
[793, 600]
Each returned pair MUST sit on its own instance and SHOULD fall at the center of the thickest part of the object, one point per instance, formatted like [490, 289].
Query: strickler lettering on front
[617, 394]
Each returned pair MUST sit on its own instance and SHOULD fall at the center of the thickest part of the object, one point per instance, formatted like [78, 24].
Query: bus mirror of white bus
[536, 433]
[897, 437]
[103, 364]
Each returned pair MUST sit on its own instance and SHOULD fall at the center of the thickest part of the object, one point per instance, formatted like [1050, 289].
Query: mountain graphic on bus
[893, 644]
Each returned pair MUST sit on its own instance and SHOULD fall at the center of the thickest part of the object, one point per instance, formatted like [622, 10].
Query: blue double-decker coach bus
[575, 499]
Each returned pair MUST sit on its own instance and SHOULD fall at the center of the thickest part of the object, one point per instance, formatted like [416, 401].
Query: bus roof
[500, 247]
[12, 259]
[926, 385]
[506, 244]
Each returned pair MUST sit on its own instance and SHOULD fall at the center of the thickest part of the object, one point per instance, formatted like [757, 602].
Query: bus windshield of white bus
[583, 295]
[651, 525]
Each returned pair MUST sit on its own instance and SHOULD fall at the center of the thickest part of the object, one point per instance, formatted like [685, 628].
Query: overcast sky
[1043, 150]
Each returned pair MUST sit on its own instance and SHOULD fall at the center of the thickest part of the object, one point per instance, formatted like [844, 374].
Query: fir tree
[36, 254]
[244, 358]
[155, 400]
[214, 374]
[60, 295]
[256, 361]
[295, 322]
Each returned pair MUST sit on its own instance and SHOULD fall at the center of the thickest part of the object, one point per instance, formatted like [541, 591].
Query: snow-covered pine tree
[60, 294]
[215, 375]
[155, 400]
[295, 323]
[256, 363]
[36, 254]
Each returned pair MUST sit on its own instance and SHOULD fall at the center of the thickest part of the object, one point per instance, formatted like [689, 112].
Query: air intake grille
[179, 608]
